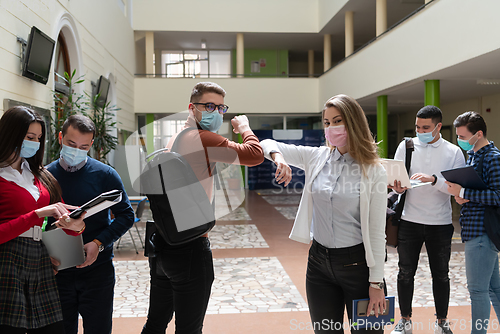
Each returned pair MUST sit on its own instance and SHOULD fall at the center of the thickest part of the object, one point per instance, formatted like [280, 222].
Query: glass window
[196, 64]
[220, 64]
[266, 122]
[304, 122]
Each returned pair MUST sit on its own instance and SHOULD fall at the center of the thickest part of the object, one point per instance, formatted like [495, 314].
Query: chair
[138, 214]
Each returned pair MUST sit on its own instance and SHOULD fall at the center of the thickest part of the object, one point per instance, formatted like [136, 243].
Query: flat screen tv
[38, 56]
[102, 90]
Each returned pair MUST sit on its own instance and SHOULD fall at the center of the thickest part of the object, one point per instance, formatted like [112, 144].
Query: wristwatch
[378, 286]
[99, 244]
[435, 179]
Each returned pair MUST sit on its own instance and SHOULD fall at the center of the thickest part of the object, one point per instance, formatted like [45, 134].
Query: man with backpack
[182, 275]
[481, 247]
[426, 217]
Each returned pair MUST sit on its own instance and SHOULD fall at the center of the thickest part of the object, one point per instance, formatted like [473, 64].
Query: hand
[461, 200]
[92, 251]
[422, 177]
[454, 188]
[55, 210]
[283, 171]
[55, 264]
[71, 224]
[377, 301]
[397, 187]
[240, 124]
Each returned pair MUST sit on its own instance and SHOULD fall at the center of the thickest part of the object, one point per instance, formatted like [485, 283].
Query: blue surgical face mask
[73, 156]
[211, 121]
[426, 137]
[465, 145]
[29, 148]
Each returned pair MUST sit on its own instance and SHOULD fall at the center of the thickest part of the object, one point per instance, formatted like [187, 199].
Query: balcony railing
[223, 76]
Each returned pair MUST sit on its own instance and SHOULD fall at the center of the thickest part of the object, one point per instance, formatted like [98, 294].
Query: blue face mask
[73, 156]
[465, 145]
[426, 137]
[211, 121]
[29, 148]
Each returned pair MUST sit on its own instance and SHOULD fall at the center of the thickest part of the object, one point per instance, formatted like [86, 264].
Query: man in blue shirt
[481, 255]
[88, 289]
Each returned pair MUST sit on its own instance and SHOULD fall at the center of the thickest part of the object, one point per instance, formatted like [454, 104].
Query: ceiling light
[203, 43]
[488, 81]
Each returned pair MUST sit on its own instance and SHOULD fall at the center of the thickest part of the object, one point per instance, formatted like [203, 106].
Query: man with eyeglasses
[182, 276]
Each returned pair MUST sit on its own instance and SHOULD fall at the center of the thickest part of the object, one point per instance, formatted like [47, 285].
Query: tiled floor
[260, 275]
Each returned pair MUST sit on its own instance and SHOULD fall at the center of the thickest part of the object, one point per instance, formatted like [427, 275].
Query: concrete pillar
[349, 33]
[381, 13]
[382, 125]
[310, 62]
[150, 49]
[158, 63]
[432, 95]
[327, 52]
[240, 55]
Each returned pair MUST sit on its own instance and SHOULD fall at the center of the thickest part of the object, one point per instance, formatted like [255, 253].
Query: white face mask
[73, 156]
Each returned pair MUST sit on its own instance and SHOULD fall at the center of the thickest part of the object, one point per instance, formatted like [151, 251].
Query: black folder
[466, 176]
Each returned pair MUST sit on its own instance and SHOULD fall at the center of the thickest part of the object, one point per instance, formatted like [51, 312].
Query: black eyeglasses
[210, 107]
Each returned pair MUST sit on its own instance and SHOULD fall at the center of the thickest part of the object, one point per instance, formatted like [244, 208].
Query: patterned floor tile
[238, 214]
[236, 236]
[290, 212]
[283, 200]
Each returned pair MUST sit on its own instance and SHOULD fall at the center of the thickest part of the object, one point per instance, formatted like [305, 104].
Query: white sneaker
[442, 328]
[403, 327]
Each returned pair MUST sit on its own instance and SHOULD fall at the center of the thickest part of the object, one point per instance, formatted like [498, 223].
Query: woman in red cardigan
[29, 300]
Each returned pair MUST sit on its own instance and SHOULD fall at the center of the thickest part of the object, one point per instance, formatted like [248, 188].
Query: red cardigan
[17, 209]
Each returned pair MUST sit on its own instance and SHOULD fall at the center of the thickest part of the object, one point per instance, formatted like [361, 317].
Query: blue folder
[466, 176]
[361, 320]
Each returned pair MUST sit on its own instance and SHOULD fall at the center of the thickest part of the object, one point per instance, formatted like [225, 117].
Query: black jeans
[437, 239]
[181, 281]
[335, 277]
[89, 292]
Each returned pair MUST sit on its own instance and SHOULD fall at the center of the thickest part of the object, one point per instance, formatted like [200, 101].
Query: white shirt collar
[25, 180]
[69, 168]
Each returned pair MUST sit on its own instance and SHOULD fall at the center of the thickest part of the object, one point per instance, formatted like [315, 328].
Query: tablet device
[360, 318]
[67, 249]
[101, 202]
[396, 170]
[466, 176]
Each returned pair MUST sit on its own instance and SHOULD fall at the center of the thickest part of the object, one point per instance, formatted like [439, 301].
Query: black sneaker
[442, 328]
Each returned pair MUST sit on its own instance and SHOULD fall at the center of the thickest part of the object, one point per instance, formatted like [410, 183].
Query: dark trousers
[437, 239]
[55, 328]
[335, 277]
[88, 291]
[181, 281]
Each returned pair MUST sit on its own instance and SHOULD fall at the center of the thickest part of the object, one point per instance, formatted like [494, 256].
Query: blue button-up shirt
[472, 212]
[336, 206]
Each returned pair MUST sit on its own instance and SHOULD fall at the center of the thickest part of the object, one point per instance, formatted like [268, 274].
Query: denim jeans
[437, 239]
[335, 277]
[483, 280]
[88, 291]
[181, 281]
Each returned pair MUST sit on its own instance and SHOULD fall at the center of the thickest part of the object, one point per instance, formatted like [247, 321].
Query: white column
[240, 55]
[158, 64]
[150, 49]
[310, 61]
[349, 33]
[381, 13]
[327, 52]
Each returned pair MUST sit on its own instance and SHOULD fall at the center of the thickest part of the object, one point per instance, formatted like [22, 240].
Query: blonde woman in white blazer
[342, 210]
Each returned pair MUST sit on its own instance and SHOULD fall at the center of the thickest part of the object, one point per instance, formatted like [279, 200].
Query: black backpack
[181, 208]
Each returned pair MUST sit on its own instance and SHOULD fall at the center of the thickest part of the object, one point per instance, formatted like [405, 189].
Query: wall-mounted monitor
[102, 89]
[38, 56]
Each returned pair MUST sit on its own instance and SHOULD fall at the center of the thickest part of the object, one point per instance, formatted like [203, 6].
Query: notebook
[466, 176]
[67, 249]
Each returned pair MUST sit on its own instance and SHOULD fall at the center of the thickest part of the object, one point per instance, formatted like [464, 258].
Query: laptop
[396, 170]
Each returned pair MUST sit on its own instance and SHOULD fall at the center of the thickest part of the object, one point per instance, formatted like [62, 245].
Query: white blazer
[373, 200]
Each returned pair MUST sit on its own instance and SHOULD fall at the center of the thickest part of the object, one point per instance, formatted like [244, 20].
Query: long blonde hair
[362, 146]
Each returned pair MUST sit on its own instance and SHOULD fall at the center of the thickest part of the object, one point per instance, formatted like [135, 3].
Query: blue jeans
[483, 280]
[88, 291]
[437, 239]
